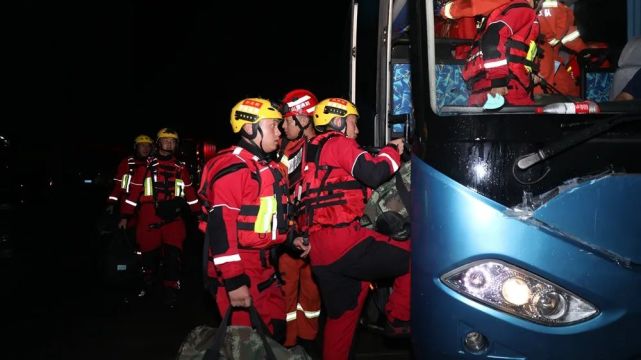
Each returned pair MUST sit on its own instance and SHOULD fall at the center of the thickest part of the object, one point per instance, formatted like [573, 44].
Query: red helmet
[299, 102]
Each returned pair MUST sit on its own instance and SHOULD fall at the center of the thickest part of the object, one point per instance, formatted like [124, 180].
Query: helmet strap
[341, 128]
[302, 128]
[251, 136]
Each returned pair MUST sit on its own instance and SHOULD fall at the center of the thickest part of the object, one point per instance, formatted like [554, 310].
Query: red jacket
[122, 179]
[338, 179]
[162, 179]
[246, 200]
[499, 57]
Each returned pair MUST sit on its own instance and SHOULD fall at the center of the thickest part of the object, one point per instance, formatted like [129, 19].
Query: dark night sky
[121, 68]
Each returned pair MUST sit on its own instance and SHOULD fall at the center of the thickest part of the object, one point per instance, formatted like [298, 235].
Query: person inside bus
[458, 20]
[628, 65]
[560, 43]
[632, 90]
[502, 56]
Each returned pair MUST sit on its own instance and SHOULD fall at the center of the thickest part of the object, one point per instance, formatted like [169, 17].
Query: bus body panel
[465, 226]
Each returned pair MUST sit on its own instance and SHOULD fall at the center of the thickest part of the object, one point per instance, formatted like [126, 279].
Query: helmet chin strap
[248, 138]
[342, 128]
[302, 128]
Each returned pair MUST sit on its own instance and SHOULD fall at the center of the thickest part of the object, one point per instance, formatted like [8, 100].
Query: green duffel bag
[387, 210]
[236, 342]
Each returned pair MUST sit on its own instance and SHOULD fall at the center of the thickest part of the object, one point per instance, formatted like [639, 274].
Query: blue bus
[526, 226]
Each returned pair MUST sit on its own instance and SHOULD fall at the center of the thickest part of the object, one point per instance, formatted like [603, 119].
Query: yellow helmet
[251, 111]
[143, 139]
[330, 108]
[167, 133]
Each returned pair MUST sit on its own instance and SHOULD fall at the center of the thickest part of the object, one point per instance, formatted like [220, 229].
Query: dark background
[82, 79]
[120, 68]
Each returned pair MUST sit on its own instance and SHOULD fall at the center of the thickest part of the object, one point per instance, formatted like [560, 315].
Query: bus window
[581, 75]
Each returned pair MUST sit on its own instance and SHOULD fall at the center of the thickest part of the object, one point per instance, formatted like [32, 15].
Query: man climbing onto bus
[345, 256]
[558, 32]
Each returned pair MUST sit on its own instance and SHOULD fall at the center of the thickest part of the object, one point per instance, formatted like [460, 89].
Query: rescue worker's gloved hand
[122, 224]
[302, 245]
[109, 210]
[240, 297]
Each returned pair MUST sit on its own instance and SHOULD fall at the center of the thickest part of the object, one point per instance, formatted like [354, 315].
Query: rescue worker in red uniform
[161, 191]
[463, 25]
[460, 23]
[126, 169]
[245, 196]
[301, 292]
[558, 31]
[345, 257]
[502, 57]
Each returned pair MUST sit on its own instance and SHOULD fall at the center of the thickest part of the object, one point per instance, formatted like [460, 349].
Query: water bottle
[581, 107]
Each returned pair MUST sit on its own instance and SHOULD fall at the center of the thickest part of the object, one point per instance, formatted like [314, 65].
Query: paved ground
[55, 306]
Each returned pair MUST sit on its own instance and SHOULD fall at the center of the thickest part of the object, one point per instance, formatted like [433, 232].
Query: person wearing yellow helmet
[344, 255]
[245, 200]
[161, 192]
[257, 120]
[126, 168]
[166, 140]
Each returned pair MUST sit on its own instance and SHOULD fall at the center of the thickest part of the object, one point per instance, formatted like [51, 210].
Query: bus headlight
[513, 290]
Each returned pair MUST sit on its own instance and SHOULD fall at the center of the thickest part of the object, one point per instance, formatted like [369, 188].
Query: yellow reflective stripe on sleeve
[149, 188]
[265, 215]
[179, 188]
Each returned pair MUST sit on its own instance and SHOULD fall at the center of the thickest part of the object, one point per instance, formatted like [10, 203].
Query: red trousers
[270, 303]
[148, 238]
[302, 299]
[344, 282]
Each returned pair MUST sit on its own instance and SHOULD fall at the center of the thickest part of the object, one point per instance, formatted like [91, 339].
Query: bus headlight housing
[511, 289]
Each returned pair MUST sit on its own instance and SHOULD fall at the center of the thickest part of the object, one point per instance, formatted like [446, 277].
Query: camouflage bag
[236, 342]
[387, 209]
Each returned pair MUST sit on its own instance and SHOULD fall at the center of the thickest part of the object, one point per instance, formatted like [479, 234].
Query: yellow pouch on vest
[179, 188]
[149, 187]
[531, 54]
[266, 213]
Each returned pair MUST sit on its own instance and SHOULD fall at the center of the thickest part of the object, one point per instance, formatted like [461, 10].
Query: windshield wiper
[526, 161]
